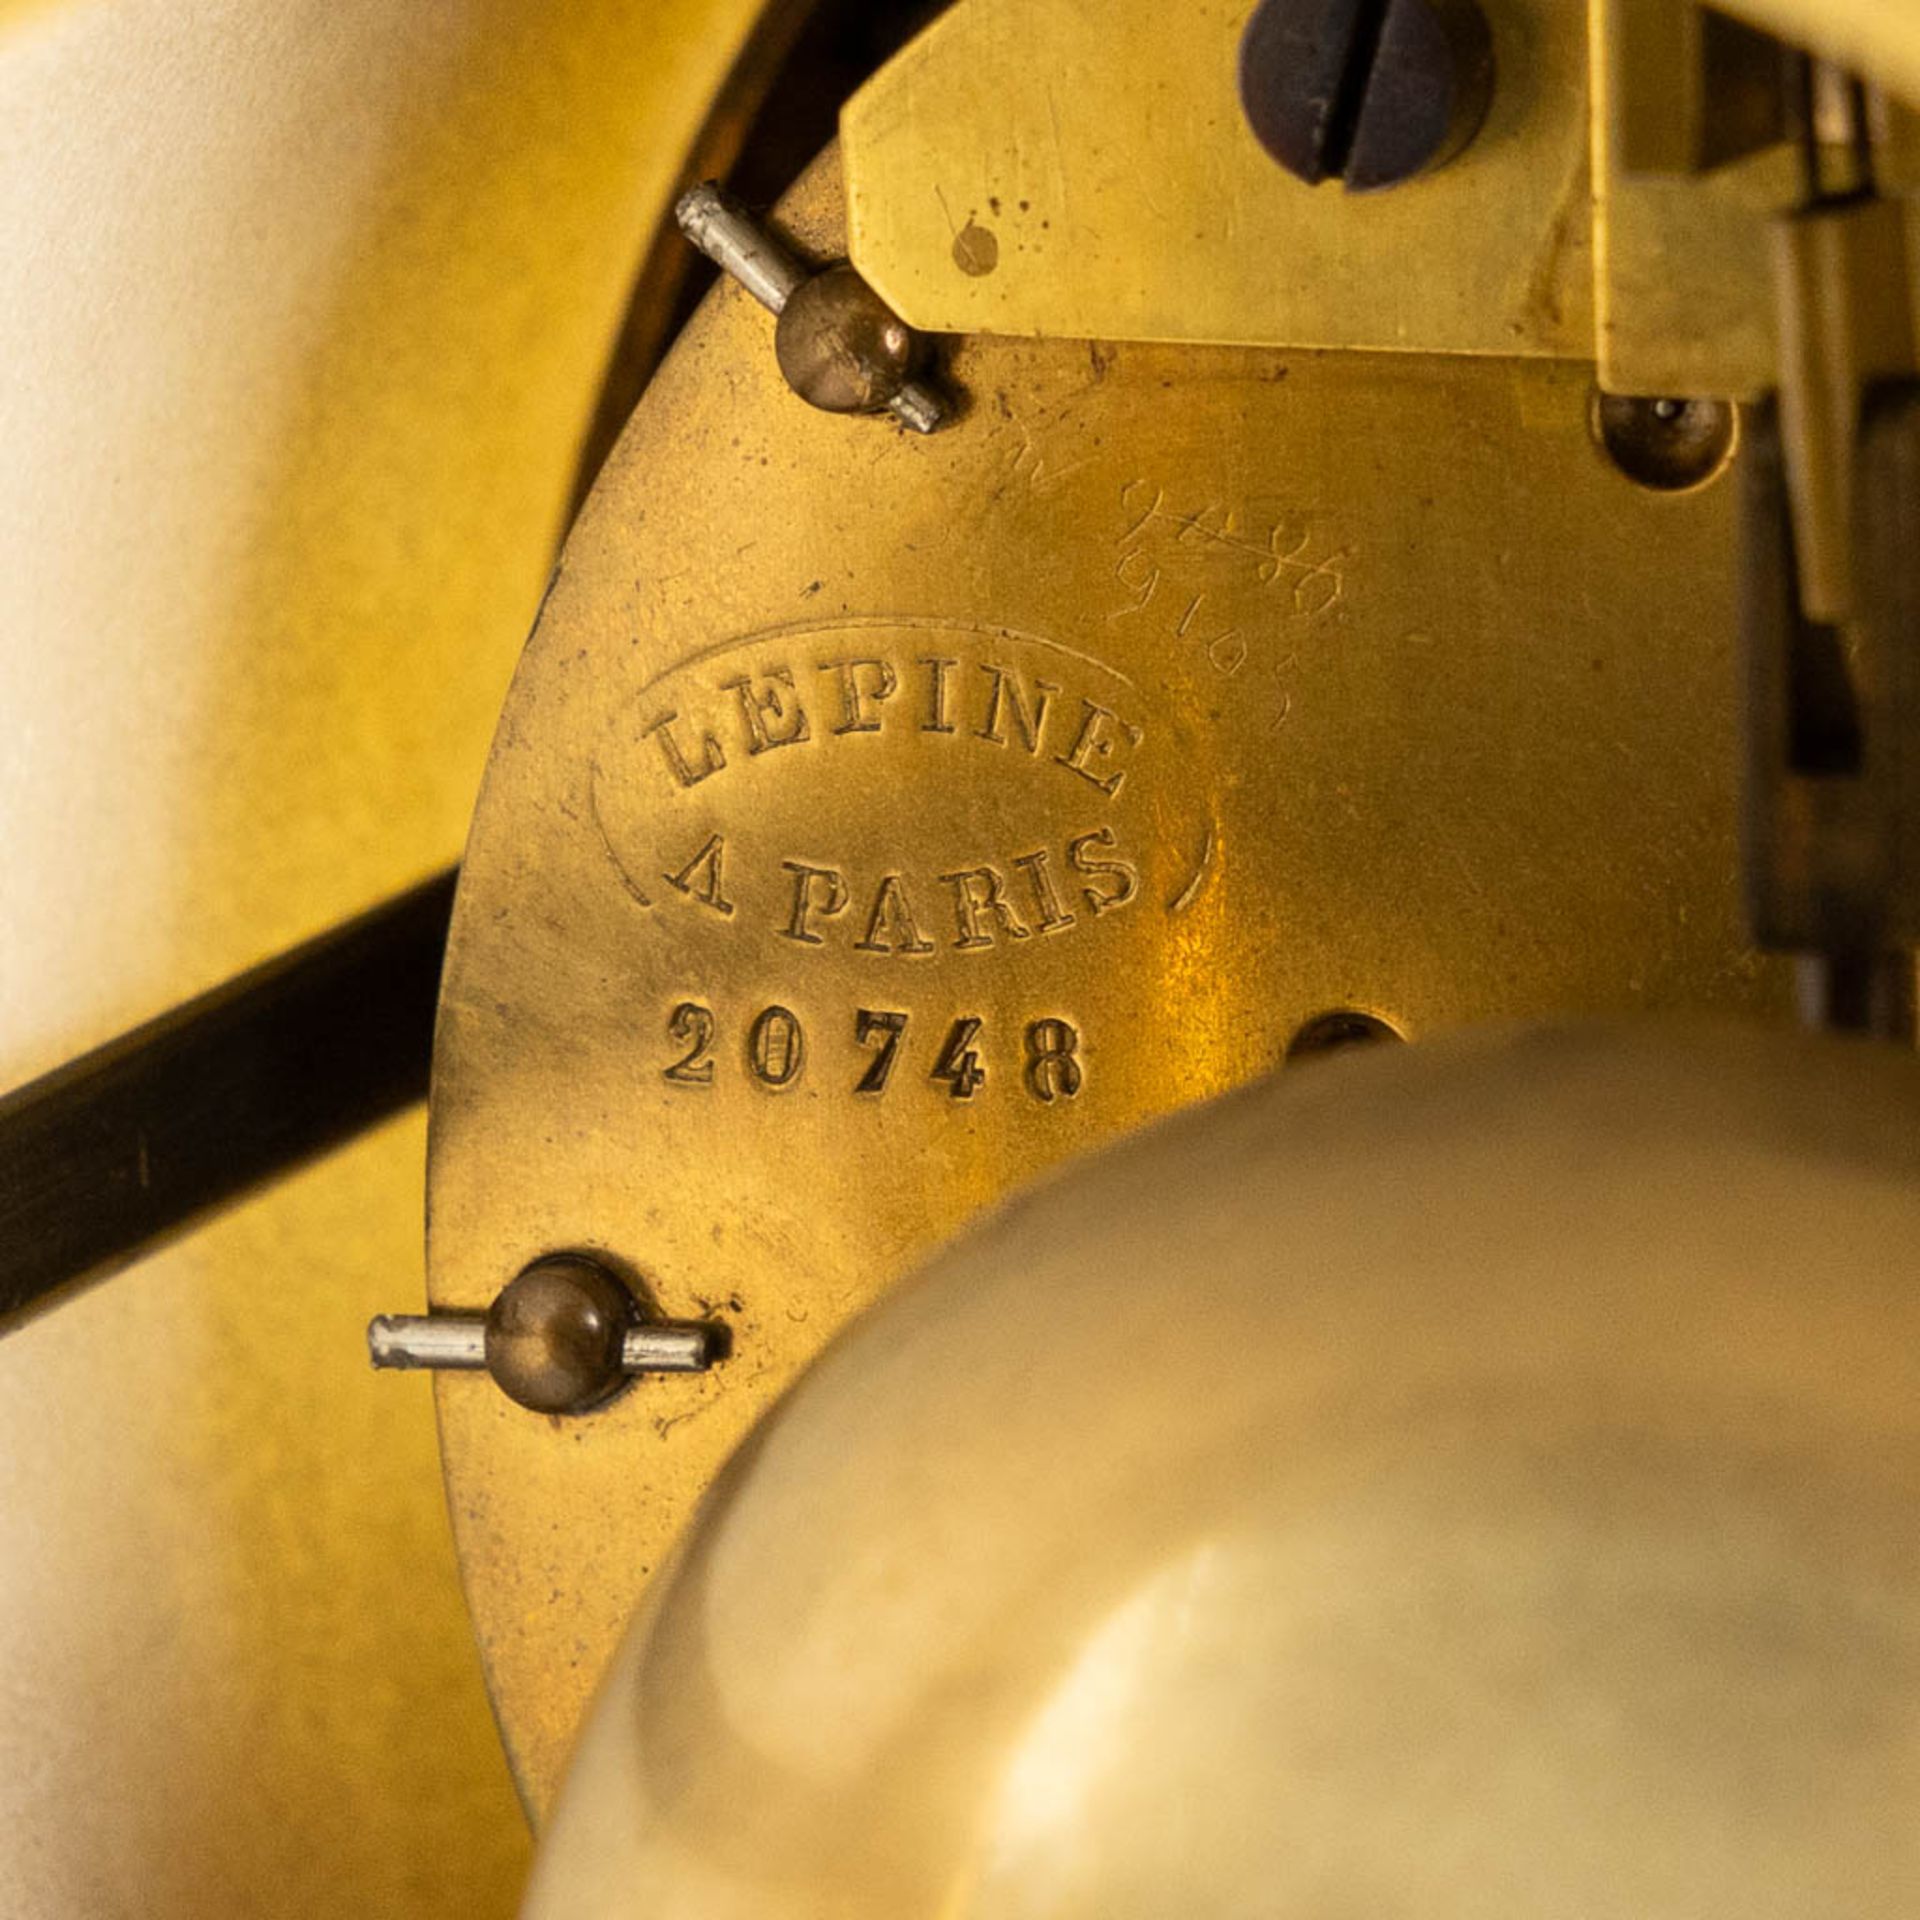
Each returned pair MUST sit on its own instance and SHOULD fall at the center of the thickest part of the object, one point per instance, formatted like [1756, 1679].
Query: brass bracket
[1019, 171]
[1691, 172]
[1040, 167]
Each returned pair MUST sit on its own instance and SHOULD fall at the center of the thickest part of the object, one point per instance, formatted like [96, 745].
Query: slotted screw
[1368, 92]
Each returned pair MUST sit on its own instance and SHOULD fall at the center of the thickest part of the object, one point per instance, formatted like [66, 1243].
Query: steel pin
[457, 1343]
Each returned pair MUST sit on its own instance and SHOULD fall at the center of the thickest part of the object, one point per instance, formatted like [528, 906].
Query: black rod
[110, 1154]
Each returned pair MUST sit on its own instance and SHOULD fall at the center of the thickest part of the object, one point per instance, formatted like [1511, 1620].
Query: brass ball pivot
[563, 1336]
[840, 346]
[554, 1334]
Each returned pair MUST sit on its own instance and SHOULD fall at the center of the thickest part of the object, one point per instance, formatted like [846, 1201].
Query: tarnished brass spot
[879, 820]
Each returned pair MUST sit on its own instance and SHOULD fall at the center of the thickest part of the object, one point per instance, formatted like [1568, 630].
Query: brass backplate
[878, 820]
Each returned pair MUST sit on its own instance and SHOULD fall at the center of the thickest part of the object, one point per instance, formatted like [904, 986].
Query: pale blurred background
[308, 307]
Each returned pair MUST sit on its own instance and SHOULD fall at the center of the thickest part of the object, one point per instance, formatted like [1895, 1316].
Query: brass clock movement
[1170, 1133]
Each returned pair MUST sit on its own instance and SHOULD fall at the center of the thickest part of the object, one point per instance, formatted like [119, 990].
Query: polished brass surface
[1050, 167]
[309, 307]
[1467, 1481]
[1168, 700]
[334, 529]
[238, 1671]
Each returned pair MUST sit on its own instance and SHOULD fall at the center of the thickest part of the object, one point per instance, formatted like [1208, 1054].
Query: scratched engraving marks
[1219, 576]
[901, 792]
[1186, 563]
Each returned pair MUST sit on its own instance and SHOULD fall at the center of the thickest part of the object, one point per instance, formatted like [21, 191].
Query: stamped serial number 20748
[1050, 1067]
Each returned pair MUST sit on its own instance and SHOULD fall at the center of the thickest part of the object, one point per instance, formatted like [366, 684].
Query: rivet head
[554, 1334]
[1667, 445]
[1337, 1032]
[840, 346]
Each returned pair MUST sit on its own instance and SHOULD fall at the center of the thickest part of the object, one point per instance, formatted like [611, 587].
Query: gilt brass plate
[878, 820]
